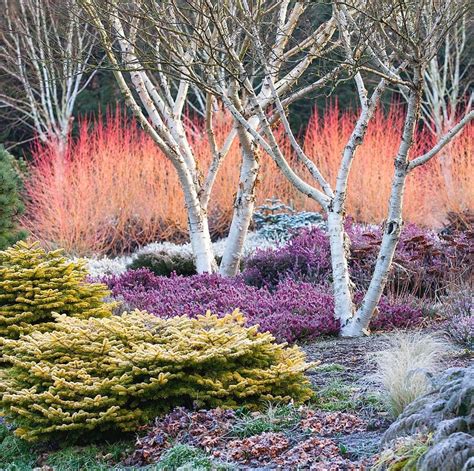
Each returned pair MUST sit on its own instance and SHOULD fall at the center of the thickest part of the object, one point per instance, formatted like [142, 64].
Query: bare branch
[446, 139]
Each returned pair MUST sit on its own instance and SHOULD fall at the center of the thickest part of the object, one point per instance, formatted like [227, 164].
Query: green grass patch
[335, 396]
[18, 455]
[188, 458]
[331, 368]
[275, 418]
[92, 458]
[338, 396]
[15, 454]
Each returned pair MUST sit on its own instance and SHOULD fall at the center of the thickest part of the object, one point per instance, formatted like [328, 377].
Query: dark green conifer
[11, 205]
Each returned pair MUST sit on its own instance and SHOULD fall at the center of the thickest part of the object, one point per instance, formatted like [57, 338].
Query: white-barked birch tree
[160, 51]
[394, 40]
[44, 55]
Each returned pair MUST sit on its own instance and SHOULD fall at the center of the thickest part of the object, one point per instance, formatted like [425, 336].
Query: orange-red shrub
[427, 197]
[114, 189]
[452, 173]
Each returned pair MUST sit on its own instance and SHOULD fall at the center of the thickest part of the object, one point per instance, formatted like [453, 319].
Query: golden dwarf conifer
[113, 374]
[34, 284]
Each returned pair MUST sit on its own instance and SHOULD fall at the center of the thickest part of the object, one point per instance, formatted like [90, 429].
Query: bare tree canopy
[44, 54]
[396, 42]
[254, 57]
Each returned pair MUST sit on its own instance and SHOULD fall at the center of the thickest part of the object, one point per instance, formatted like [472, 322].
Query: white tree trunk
[343, 304]
[243, 206]
[359, 324]
[199, 233]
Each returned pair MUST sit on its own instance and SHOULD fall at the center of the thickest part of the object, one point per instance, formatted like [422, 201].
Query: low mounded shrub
[461, 329]
[35, 284]
[103, 375]
[163, 264]
[11, 205]
[396, 315]
[291, 311]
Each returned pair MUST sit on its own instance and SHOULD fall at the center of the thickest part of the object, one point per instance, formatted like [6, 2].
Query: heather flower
[304, 258]
[396, 316]
[460, 312]
[424, 263]
[291, 311]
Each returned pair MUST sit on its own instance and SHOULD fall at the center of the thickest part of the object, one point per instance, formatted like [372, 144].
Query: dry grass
[405, 367]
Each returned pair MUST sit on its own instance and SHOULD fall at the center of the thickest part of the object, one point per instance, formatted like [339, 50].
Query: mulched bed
[323, 440]
[312, 443]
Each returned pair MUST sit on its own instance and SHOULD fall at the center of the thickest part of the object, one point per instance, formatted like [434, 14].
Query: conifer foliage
[10, 201]
[96, 375]
[34, 284]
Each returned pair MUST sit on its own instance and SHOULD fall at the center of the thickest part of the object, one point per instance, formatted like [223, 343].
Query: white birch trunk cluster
[203, 51]
[332, 200]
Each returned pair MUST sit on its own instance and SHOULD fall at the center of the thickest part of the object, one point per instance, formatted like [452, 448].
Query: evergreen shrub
[164, 264]
[35, 284]
[11, 205]
[104, 375]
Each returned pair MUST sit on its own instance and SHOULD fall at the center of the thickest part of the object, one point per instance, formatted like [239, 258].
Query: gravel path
[354, 354]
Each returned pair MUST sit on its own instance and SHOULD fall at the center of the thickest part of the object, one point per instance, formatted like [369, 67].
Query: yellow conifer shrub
[95, 376]
[34, 284]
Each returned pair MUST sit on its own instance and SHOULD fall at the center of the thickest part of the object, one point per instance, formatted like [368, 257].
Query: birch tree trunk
[343, 304]
[199, 235]
[243, 206]
[359, 323]
[399, 48]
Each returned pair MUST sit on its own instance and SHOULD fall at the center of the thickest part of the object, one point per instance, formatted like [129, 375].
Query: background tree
[447, 89]
[44, 55]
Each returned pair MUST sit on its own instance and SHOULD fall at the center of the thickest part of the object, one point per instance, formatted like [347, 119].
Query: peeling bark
[243, 206]
[343, 303]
